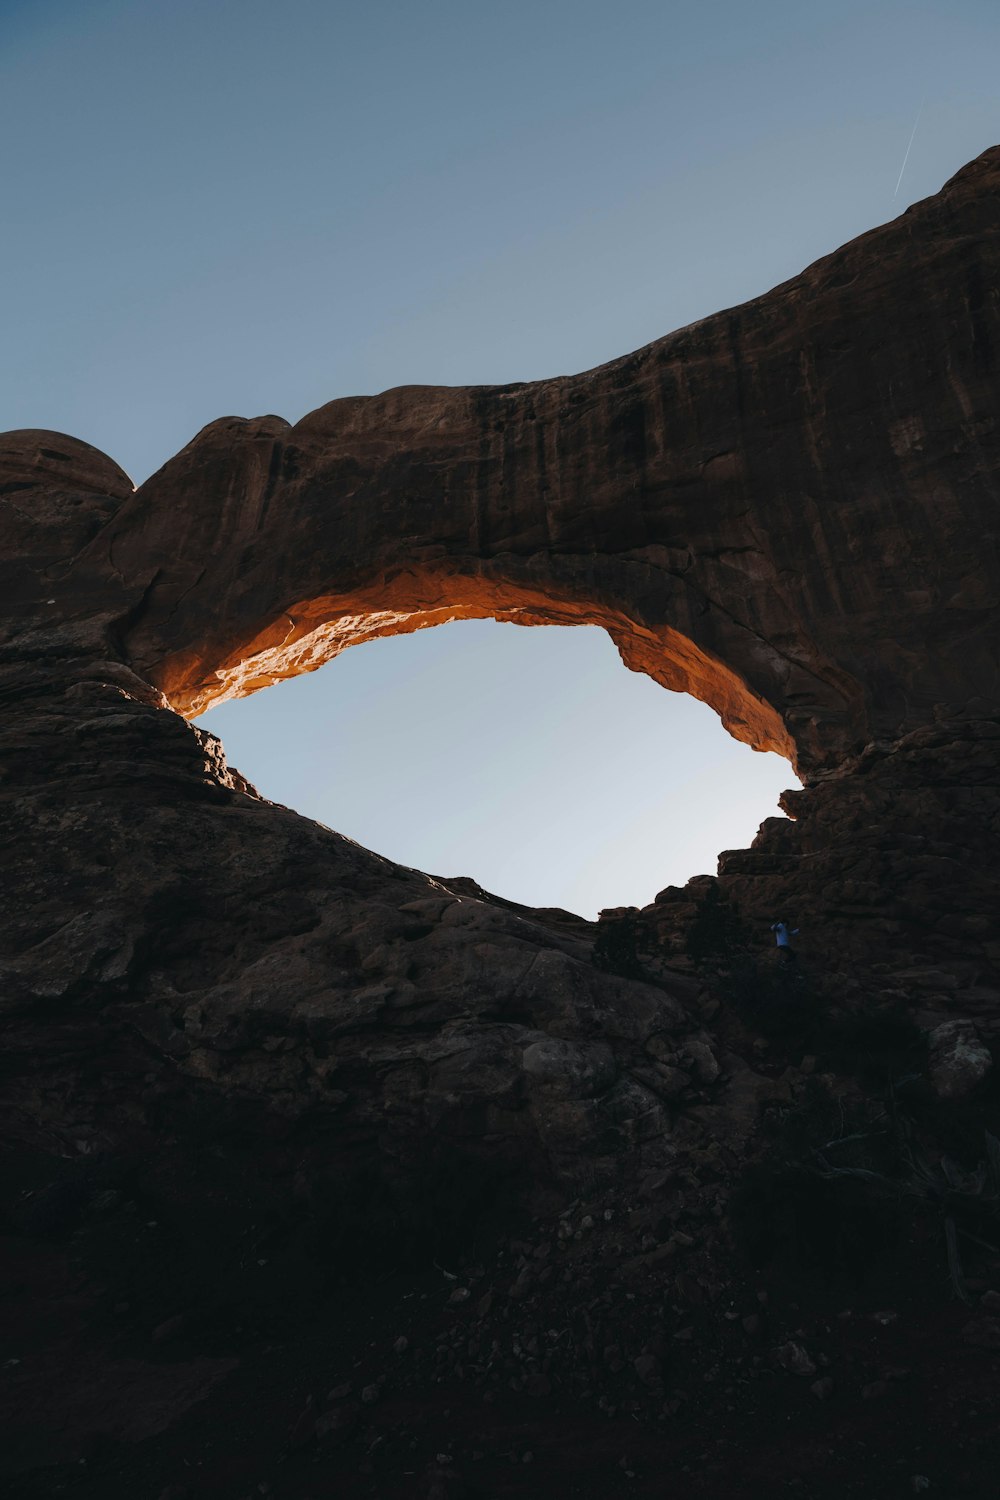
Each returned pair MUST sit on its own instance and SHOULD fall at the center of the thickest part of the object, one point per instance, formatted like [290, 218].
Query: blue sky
[247, 207]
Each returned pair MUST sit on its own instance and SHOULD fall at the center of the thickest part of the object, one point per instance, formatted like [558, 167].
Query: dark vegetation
[789, 1213]
[616, 949]
[789, 1004]
[849, 1185]
[870, 1179]
[854, 1176]
[717, 935]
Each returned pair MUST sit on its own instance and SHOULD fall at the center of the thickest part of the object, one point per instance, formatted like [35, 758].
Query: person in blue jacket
[782, 936]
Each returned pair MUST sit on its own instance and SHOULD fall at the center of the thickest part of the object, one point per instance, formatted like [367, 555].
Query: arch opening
[314, 631]
[526, 760]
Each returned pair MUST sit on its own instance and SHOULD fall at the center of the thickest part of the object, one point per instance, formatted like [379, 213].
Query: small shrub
[965, 1200]
[717, 935]
[789, 1213]
[878, 1045]
[777, 1000]
[795, 1220]
[616, 949]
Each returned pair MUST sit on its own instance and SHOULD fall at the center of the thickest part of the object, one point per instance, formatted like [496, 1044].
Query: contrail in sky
[912, 134]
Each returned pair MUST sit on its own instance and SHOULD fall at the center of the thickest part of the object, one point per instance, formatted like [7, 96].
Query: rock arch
[788, 509]
[342, 585]
[785, 509]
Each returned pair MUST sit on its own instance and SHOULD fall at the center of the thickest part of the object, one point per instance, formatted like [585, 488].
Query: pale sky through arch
[240, 207]
[527, 757]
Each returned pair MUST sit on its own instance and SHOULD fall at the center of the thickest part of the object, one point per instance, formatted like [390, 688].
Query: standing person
[782, 936]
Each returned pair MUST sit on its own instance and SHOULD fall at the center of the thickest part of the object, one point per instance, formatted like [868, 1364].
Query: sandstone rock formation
[788, 509]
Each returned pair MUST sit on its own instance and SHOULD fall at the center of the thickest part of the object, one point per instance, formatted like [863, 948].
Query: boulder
[958, 1059]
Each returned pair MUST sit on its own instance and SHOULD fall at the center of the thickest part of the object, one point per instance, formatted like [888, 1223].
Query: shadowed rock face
[788, 510]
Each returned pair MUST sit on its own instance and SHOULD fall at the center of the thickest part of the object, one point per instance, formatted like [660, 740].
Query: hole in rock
[530, 759]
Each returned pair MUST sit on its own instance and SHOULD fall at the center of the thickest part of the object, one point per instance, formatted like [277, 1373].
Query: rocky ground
[326, 1177]
[750, 1320]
